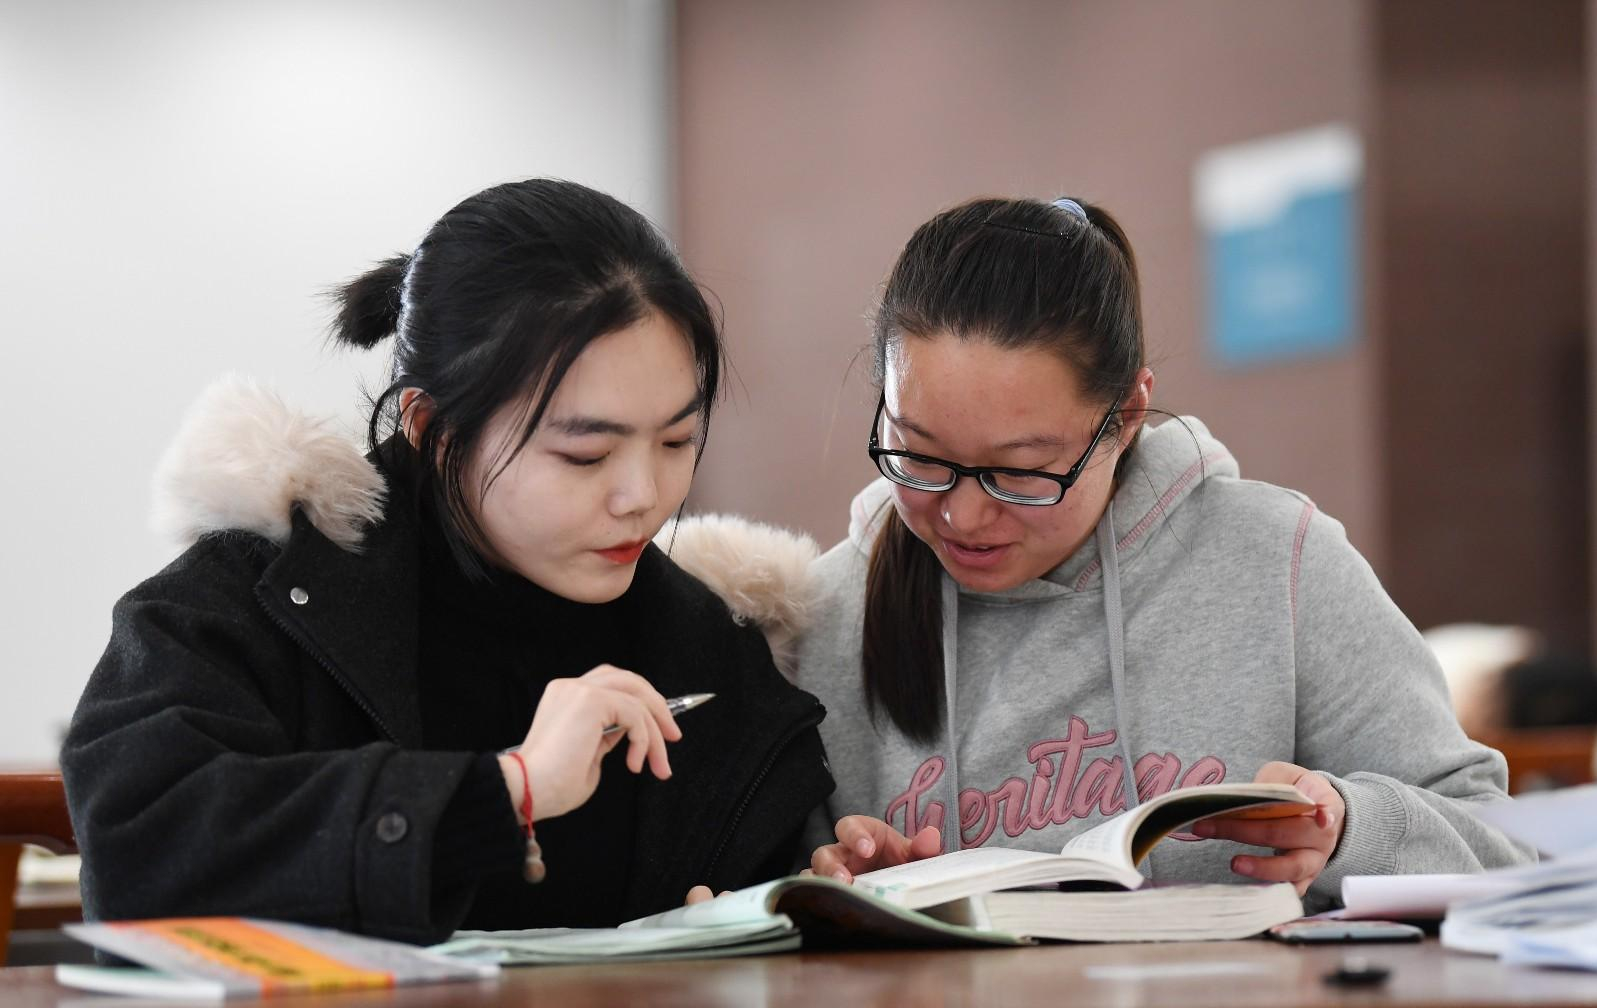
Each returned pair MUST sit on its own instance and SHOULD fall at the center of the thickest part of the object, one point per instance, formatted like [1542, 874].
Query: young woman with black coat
[374, 692]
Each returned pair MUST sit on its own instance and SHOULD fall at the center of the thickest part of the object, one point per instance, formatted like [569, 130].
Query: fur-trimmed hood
[243, 460]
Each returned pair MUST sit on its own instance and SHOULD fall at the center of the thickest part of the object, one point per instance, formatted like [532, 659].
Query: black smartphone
[1313, 931]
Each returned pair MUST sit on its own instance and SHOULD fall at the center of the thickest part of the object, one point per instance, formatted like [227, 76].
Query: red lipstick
[624, 554]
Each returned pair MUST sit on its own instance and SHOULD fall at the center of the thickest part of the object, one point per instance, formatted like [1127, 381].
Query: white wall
[179, 181]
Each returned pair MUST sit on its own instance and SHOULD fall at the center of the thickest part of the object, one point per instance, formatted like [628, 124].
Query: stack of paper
[1546, 914]
[1414, 897]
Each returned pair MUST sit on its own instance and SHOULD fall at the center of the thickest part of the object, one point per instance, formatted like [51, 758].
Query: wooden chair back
[33, 810]
[1546, 757]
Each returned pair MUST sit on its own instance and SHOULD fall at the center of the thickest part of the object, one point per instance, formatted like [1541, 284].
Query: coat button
[392, 827]
[298, 596]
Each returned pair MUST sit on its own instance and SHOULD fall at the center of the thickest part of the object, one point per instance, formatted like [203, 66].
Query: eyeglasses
[1031, 487]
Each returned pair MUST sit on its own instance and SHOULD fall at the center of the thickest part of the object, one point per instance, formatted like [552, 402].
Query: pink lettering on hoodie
[1058, 790]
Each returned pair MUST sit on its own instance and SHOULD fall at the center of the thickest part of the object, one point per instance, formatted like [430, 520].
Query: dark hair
[1018, 274]
[502, 295]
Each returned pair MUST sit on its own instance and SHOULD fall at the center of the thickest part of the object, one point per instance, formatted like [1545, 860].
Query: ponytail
[369, 305]
[902, 648]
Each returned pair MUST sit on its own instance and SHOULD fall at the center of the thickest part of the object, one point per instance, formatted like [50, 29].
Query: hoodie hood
[1169, 463]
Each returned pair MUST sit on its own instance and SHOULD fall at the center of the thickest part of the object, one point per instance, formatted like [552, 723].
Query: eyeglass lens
[923, 475]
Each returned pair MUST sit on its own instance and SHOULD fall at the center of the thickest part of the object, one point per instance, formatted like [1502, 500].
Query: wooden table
[1247, 973]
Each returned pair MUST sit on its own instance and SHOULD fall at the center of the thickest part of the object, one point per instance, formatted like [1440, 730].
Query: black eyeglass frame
[982, 474]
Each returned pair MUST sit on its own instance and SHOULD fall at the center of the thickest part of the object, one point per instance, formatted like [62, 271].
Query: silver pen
[676, 705]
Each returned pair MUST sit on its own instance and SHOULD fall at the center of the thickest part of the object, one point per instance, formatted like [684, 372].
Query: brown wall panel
[1591, 317]
[1481, 120]
[814, 137]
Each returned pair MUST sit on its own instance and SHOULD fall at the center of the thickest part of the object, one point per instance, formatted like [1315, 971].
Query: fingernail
[866, 847]
[841, 875]
[1242, 865]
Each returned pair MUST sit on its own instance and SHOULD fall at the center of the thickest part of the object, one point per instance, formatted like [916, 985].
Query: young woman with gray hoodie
[1043, 591]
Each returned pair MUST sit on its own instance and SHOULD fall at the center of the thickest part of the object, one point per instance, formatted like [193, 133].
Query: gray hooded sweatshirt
[1232, 624]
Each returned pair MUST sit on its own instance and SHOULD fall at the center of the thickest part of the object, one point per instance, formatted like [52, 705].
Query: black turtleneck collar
[490, 645]
[488, 648]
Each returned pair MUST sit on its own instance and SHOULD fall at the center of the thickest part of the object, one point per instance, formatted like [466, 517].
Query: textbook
[977, 896]
[1106, 854]
[214, 958]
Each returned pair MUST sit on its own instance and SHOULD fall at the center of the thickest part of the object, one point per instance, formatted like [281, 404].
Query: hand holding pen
[676, 705]
[578, 722]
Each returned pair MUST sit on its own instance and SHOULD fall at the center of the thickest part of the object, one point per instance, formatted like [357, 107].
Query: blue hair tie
[1071, 207]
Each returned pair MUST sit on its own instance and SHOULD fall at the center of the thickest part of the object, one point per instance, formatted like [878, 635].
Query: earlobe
[416, 409]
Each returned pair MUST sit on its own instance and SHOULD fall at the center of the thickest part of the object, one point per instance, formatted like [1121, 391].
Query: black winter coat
[249, 744]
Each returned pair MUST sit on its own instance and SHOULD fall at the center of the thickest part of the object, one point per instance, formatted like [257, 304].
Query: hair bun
[369, 305]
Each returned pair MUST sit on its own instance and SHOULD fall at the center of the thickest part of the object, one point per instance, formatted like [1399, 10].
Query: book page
[563, 945]
[1108, 841]
[138, 981]
[898, 882]
[1153, 913]
[983, 869]
[901, 882]
[745, 906]
[1127, 838]
[830, 913]
[839, 916]
[1169, 812]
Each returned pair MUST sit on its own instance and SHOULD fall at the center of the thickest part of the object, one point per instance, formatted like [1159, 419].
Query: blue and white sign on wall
[1279, 220]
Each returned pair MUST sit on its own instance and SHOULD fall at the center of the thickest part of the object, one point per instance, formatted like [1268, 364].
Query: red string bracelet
[534, 869]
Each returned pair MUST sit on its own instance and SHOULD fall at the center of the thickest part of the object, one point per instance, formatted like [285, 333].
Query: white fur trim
[760, 571]
[242, 460]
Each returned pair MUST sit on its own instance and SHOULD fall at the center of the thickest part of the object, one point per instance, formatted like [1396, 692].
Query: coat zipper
[337, 676]
[810, 721]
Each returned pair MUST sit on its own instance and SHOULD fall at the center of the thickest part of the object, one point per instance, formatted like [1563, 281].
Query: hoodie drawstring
[950, 783]
[1114, 620]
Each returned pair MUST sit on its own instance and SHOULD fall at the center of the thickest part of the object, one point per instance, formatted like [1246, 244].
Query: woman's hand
[702, 894]
[865, 844]
[1303, 843]
[567, 740]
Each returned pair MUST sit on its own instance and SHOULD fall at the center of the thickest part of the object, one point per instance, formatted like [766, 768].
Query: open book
[968, 897]
[212, 958]
[1106, 854]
